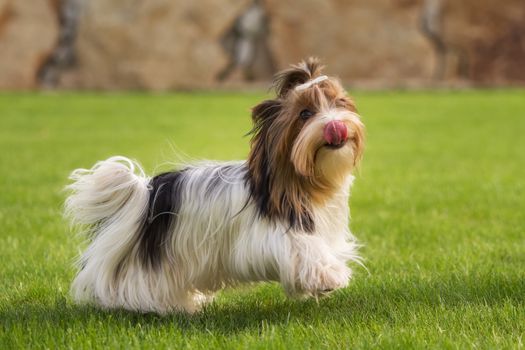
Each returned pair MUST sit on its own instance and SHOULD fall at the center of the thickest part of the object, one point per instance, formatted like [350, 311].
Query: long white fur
[218, 239]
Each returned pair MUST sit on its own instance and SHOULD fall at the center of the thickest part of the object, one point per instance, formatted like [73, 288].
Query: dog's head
[306, 140]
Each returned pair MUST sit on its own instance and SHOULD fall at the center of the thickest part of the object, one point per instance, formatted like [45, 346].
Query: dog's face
[312, 123]
[326, 131]
[305, 143]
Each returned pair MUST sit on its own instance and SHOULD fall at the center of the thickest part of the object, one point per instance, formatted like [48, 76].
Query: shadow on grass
[370, 300]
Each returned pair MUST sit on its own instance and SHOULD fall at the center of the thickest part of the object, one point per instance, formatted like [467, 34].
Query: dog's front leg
[314, 269]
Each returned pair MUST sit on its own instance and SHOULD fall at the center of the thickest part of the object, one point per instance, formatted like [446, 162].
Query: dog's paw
[323, 279]
[333, 277]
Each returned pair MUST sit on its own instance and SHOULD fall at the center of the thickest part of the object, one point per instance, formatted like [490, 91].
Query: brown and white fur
[167, 243]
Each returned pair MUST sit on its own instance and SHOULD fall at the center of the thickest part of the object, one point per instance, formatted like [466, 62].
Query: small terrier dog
[167, 243]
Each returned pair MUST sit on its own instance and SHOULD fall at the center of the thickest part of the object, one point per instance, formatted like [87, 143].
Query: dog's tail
[106, 192]
[110, 201]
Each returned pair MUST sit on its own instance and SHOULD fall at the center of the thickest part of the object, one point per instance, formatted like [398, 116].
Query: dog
[167, 243]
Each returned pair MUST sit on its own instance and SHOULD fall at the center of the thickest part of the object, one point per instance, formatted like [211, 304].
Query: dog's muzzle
[335, 133]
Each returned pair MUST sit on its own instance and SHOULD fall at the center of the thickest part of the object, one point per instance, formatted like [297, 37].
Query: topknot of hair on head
[297, 74]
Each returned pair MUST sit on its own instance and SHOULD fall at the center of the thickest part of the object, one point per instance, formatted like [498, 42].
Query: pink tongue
[335, 132]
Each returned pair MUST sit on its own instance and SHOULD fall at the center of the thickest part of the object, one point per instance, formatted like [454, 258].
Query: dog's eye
[305, 114]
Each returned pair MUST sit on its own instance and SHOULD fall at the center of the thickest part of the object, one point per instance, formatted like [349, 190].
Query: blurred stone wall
[28, 32]
[485, 39]
[358, 39]
[176, 44]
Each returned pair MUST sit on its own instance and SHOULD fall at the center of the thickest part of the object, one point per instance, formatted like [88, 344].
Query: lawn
[438, 204]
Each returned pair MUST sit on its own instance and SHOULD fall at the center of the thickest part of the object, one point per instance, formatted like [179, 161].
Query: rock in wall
[28, 34]
[153, 44]
[357, 39]
[485, 39]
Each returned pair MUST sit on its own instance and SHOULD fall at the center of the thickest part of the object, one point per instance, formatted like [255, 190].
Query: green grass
[439, 205]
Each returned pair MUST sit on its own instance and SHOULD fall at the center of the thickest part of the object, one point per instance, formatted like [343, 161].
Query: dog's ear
[265, 112]
[288, 79]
